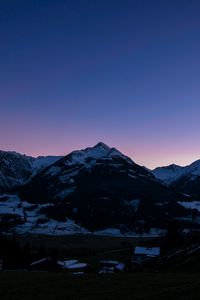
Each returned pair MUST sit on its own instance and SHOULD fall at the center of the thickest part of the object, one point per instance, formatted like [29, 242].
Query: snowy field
[32, 224]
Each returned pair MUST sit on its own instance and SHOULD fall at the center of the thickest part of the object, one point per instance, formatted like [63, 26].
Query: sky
[123, 72]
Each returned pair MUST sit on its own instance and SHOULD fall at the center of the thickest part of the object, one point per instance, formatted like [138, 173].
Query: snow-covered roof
[72, 264]
[153, 251]
[77, 266]
[120, 267]
[40, 261]
[67, 263]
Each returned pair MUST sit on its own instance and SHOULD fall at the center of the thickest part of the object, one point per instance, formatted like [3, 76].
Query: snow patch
[64, 193]
[134, 203]
[53, 171]
[190, 205]
[42, 162]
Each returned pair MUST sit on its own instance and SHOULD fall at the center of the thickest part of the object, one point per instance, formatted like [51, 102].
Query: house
[111, 266]
[142, 254]
[73, 266]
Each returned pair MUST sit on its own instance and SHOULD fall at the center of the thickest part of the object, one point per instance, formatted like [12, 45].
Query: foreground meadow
[139, 286]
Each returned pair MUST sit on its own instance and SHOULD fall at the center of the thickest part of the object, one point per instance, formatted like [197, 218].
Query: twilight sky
[124, 72]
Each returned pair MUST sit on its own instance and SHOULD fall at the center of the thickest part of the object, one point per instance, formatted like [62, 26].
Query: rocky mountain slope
[16, 169]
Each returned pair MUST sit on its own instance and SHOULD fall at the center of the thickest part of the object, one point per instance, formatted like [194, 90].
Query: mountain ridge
[16, 168]
[183, 179]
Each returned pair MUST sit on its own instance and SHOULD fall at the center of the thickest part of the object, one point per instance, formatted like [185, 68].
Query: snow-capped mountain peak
[101, 145]
[92, 154]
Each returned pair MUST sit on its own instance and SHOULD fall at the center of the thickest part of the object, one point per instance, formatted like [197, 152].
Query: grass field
[19, 285]
[138, 286]
[92, 242]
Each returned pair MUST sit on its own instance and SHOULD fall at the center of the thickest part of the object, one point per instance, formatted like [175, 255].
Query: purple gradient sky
[125, 72]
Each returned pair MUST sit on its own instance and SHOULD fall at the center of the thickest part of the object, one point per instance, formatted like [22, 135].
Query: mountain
[16, 169]
[183, 179]
[98, 188]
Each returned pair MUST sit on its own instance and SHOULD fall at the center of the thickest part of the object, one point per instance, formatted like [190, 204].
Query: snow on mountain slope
[185, 180]
[168, 174]
[172, 173]
[16, 169]
[193, 169]
[41, 162]
[91, 154]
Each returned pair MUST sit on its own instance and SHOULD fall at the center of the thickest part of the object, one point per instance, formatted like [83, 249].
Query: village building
[142, 254]
[111, 266]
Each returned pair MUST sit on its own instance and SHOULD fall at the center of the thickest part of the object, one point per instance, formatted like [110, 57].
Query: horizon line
[65, 154]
